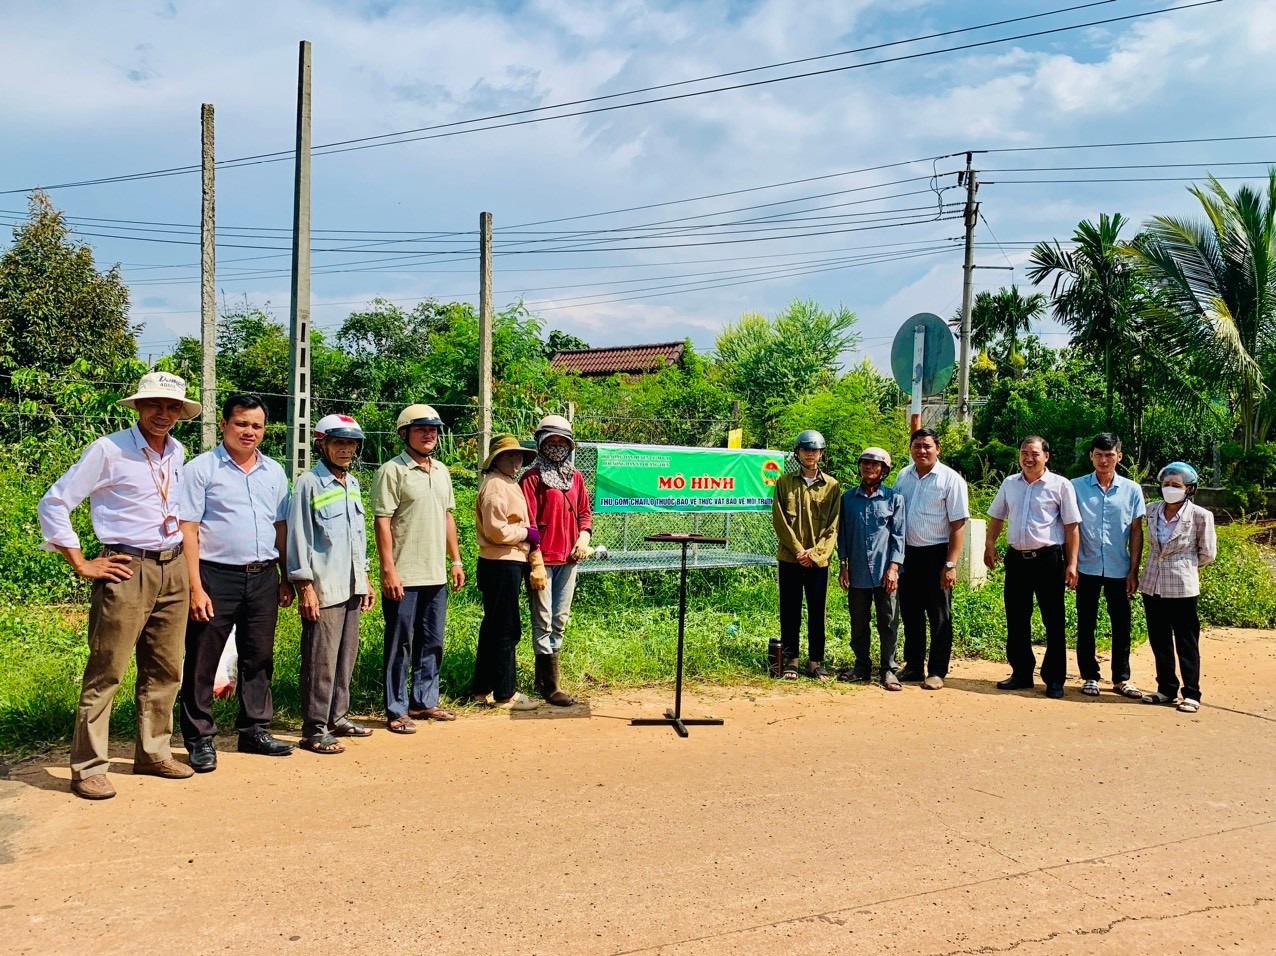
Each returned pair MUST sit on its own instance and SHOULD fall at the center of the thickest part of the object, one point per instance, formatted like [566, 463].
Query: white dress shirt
[1036, 512]
[131, 492]
[934, 503]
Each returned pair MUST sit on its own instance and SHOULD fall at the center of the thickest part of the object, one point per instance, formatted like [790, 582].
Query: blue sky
[95, 90]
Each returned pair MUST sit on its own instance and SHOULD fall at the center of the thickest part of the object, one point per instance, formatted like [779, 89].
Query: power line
[447, 130]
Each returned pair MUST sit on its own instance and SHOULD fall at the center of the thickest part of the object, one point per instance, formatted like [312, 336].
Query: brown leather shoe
[170, 769]
[95, 787]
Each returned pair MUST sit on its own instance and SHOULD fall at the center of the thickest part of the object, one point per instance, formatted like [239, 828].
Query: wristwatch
[950, 565]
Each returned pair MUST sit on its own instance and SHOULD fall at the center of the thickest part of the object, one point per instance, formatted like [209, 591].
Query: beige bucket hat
[164, 385]
[504, 442]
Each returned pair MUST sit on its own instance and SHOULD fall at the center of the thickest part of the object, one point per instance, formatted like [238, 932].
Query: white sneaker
[517, 702]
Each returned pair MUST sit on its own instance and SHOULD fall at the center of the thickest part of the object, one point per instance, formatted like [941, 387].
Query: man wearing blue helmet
[328, 564]
[1181, 541]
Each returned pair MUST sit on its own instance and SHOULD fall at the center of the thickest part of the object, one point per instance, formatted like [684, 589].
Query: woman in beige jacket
[505, 541]
[1181, 541]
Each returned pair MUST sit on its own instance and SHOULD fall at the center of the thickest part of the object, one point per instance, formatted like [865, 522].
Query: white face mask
[1172, 495]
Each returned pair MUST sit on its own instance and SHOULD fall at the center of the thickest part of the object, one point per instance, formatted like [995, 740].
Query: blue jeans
[414, 639]
[552, 608]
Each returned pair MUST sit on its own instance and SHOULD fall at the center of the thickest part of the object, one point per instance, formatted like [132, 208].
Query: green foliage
[850, 417]
[999, 319]
[56, 308]
[771, 364]
[1231, 595]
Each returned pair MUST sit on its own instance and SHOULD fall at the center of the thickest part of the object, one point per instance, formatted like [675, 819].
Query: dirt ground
[817, 821]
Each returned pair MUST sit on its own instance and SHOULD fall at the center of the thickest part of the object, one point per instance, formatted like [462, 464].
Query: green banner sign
[653, 478]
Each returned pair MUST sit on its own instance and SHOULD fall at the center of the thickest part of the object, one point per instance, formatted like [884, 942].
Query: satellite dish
[937, 359]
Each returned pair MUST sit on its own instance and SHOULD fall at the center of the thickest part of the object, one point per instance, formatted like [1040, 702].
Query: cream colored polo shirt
[417, 502]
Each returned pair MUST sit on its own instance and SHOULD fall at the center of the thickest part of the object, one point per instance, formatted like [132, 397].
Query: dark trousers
[862, 602]
[329, 650]
[1088, 588]
[414, 641]
[1173, 625]
[795, 581]
[249, 603]
[921, 597]
[1040, 577]
[501, 584]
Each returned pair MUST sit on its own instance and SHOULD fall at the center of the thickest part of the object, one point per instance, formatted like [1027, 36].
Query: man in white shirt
[141, 598]
[938, 508]
[1043, 541]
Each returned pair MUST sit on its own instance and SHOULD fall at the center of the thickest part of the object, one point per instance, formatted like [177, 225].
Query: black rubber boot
[553, 693]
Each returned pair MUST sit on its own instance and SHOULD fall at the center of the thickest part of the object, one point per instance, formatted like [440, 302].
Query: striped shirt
[934, 502]
[1035, 512]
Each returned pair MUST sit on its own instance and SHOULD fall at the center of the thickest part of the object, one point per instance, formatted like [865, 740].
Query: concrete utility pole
[207, 284]
[485, 334]
[967, 286]
[299, 314]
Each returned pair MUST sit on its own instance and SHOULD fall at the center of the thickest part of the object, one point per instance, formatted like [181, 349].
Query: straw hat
[167, 386]
[504, 442]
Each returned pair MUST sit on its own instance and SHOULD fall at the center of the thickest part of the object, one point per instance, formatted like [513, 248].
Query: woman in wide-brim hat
[505, 540]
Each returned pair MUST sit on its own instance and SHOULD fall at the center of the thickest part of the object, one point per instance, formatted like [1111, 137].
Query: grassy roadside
[623, 634]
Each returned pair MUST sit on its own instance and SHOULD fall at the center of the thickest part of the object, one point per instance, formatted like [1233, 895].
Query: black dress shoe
[910, 675]
[261, 742]
[1054, 691]
[203, 755]
[1015, 683]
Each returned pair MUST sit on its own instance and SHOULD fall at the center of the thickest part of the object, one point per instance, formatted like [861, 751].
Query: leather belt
[163, 557]
[1037, 552]
[253, 567]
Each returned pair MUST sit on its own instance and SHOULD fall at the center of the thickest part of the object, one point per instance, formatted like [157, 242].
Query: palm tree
[1094, 292]
[1006, 313]
[1217, 285]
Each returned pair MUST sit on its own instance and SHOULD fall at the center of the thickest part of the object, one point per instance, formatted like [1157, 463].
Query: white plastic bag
[224, 681]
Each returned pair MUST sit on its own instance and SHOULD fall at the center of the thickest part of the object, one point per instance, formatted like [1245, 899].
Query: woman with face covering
[1181, 541]
[558, 507]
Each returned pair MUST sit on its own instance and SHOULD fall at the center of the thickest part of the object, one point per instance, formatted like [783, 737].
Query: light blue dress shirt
[236, 510]
[1105, 524]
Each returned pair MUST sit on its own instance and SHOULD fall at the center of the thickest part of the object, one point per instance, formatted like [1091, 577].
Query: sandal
[323, 743]
[852, 677]
[480, 700]
[432, 713]
[1128, 690]
[790, 672]
[517, 702]
[817, 673]
[1189, 706]
[401, 725]
[346, 727]
[891, 682]
[1090, 688]
[1159, 698]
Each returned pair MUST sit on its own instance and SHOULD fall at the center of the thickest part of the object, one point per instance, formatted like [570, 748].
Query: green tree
[563, 342]
[1095, 293]
[1217, 283]
[999, 319]
[56, 308]
[770, 364]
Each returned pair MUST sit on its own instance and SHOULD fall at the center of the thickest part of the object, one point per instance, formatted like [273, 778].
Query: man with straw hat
[412, 500]
[141, 597]
[507, 542]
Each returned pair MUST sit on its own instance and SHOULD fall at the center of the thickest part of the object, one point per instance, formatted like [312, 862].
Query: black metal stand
[673, 716]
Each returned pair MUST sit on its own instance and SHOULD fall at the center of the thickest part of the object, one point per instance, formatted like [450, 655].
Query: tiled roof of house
[621, 359]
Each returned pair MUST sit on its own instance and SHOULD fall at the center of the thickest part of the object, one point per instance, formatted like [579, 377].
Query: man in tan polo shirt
[413, 501]
[141, 595]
